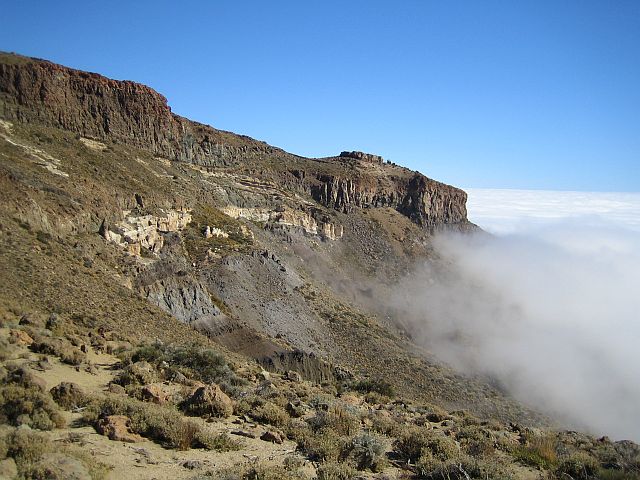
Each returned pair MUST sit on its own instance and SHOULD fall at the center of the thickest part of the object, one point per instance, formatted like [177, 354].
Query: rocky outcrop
[95, 107]
[363, 157]
[426, 202]
[100, 109]
[184, 298]
[313, 223]
[117, 427]
[135, 232]
[209, 400]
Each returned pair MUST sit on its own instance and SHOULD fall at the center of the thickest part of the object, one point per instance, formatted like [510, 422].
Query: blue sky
[494, 94]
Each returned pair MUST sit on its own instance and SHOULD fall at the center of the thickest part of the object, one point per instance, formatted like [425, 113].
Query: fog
[548, 305]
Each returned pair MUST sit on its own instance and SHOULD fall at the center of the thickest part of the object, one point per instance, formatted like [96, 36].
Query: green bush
[259, 471]
[539, 452]
[193, 361]
[368, 452]
[26, 447]
[578, 466]
[476, 441]
[325, 445]
[336, 471]
[270, 413]
[28, 405]
[415, 442]
[374, 385]
[161, 424]
[338, 418]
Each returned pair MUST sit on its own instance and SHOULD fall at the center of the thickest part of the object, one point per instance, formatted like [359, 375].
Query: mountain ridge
[96, 107]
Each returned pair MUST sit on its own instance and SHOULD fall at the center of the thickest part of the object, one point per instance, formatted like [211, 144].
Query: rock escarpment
[38, 91]
[426, 202]
[90, 105]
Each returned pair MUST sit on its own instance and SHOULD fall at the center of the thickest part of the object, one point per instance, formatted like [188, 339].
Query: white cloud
[511, 211]
[550, 306]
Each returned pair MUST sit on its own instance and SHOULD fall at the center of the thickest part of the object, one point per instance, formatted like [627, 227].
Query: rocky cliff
[98, 108]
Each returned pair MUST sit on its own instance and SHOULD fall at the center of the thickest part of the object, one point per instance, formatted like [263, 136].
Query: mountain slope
[266, 252]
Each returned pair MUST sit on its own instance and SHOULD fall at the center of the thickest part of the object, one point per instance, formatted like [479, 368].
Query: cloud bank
[549, 306]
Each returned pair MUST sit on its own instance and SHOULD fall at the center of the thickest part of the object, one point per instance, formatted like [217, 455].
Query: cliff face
[90, 105]
[98, 107]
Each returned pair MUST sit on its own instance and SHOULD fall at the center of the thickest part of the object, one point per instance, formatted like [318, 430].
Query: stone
[154, 393]
[192, 464]
[26, 319]
[58, 466]
[272, 436]
[117, 389]
[180, 378]
[20, 337]
[116, 427]
[209, 400]
[295, 411]
[294, 376]
[264, 376]
[243, 433]
[68, 395]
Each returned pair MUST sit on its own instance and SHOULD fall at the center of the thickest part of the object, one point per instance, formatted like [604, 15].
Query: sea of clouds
[548, 304]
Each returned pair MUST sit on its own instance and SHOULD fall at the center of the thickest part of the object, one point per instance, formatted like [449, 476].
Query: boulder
[272, 436]
[294, 376]
[117, 389]
[155, 393]
[20, 337]
[58, 466]
[209, 400]
[295, 410]
[116, 427]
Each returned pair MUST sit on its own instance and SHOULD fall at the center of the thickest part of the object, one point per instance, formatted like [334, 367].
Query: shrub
[193, 361]
[28, 405]
[539, 452]
[59, 347]
[338, 418]
[26, 447]
[138, 373]
[325, 445]
[385, 424]
[270, 413]
[368, 452]
[161, 424]
[259, 471]
[68, 395]
[374, 385]
[476, 441]
[578, 466]
[336, 471]
[459, 467]
[415, 442]
[218, 442]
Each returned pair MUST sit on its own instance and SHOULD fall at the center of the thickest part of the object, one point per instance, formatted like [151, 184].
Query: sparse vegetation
[368, 452]
[376, 385]
[538, 451]
[193, 361]
[270, 413]
[23, 402]
[160, 424]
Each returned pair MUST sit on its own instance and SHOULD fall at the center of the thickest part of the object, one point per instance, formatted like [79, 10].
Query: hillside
[143, 233]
